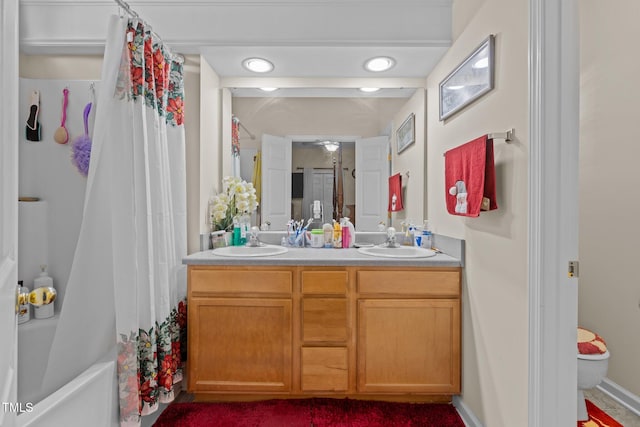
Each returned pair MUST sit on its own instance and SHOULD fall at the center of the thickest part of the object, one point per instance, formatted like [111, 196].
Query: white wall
[609, 292]
[86, 67]
[495, 294]
[411, 160]
[46, 172]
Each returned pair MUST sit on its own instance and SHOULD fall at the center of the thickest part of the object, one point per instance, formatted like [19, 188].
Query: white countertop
[321, 257]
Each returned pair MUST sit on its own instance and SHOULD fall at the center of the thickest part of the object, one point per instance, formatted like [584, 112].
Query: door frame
[553, 210]
[9, 45]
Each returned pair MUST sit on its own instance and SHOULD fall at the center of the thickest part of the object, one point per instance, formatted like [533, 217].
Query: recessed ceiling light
[369, 89]
[379, 63]
[268, 89]
[257, 65]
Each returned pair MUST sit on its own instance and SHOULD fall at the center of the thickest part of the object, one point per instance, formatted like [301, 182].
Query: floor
[613, 408]
[618, 412]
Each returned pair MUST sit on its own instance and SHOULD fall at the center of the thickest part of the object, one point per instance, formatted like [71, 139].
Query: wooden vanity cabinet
[301, 331]
[408, 331]
[239, 332]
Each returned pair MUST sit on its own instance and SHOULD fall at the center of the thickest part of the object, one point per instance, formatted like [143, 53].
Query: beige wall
[495, 294]
[411, 160]
[75, 67]
[609, 290]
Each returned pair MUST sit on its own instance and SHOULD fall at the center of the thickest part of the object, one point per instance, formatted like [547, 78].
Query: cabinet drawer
[324, 320]
[325, 369]
[324, 282]
[254, 281]
[402, 282]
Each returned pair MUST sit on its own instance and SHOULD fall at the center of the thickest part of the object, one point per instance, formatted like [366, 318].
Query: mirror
[311, 157]
[318, 118]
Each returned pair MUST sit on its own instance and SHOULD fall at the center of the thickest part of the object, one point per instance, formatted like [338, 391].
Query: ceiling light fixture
[331, 146]
[257, 65]
[268, 89]
[369, 89]
[379, 63]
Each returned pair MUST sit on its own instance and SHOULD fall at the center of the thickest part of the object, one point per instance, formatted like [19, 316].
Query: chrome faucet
[391, 238]
[253, 237]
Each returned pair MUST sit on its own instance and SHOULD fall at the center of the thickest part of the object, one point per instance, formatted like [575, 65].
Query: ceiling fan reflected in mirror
[330, 146]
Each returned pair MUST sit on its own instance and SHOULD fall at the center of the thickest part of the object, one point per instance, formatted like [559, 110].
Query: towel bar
[507, 136]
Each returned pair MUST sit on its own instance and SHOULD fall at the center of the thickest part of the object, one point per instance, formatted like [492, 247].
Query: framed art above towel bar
[473, 78]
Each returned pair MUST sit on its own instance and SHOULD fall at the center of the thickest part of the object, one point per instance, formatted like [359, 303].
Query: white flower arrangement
[237, 198]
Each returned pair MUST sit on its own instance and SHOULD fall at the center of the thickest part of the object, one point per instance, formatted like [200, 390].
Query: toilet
[593, 361]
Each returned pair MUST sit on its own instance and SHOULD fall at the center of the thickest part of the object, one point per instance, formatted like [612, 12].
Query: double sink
[376, 251]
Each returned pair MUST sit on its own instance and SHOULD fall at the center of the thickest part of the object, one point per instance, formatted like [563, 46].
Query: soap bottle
[328, 235]
[337, 235]
[236, 232]
[245, 223]
[43, 295]
[346, 234]
[24, 311]
[427, 236]
[316, 222]
[43, 281]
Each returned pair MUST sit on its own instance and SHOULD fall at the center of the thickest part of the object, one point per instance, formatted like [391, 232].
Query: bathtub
[90, 399]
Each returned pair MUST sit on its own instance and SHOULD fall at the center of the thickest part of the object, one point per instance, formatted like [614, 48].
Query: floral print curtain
[149, 222]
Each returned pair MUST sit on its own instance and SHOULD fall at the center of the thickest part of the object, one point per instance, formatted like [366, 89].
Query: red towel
[470, 178]
[395, 193]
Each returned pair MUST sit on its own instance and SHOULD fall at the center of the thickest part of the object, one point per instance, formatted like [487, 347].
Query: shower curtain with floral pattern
[147, 146]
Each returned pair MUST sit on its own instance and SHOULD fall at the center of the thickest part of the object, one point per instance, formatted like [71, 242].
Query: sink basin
[250, 251]
[399, 252]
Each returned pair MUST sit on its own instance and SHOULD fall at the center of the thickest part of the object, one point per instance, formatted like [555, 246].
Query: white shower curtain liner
[127, 283]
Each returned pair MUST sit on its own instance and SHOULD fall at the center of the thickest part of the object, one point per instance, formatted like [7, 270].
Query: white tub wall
[89, 400]
[46, 172]
[34, 343]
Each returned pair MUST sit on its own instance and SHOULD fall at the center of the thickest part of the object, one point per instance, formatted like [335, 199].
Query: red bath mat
[316, 412]
[598, 418]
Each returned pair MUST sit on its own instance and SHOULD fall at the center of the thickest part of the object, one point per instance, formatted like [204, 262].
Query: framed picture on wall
[469, 81]
[406, 133]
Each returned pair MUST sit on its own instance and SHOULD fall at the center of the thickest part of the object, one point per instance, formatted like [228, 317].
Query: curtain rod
[127, 8]
[124, 5]
[237, 120]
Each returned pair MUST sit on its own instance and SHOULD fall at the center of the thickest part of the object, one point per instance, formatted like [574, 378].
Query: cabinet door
[239, 344]
[409, 345]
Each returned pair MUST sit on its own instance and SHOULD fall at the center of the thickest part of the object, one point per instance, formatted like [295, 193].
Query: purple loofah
[82, 154]
[82, 146]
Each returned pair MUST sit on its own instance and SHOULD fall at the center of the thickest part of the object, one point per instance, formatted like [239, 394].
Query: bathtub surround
[135, 209]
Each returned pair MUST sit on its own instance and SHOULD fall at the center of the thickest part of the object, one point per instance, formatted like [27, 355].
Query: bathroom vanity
[323, 322]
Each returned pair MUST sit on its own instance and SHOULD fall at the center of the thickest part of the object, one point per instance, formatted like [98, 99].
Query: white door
[372, 182]
[323, 191]
[8, 210]
[276, 181]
